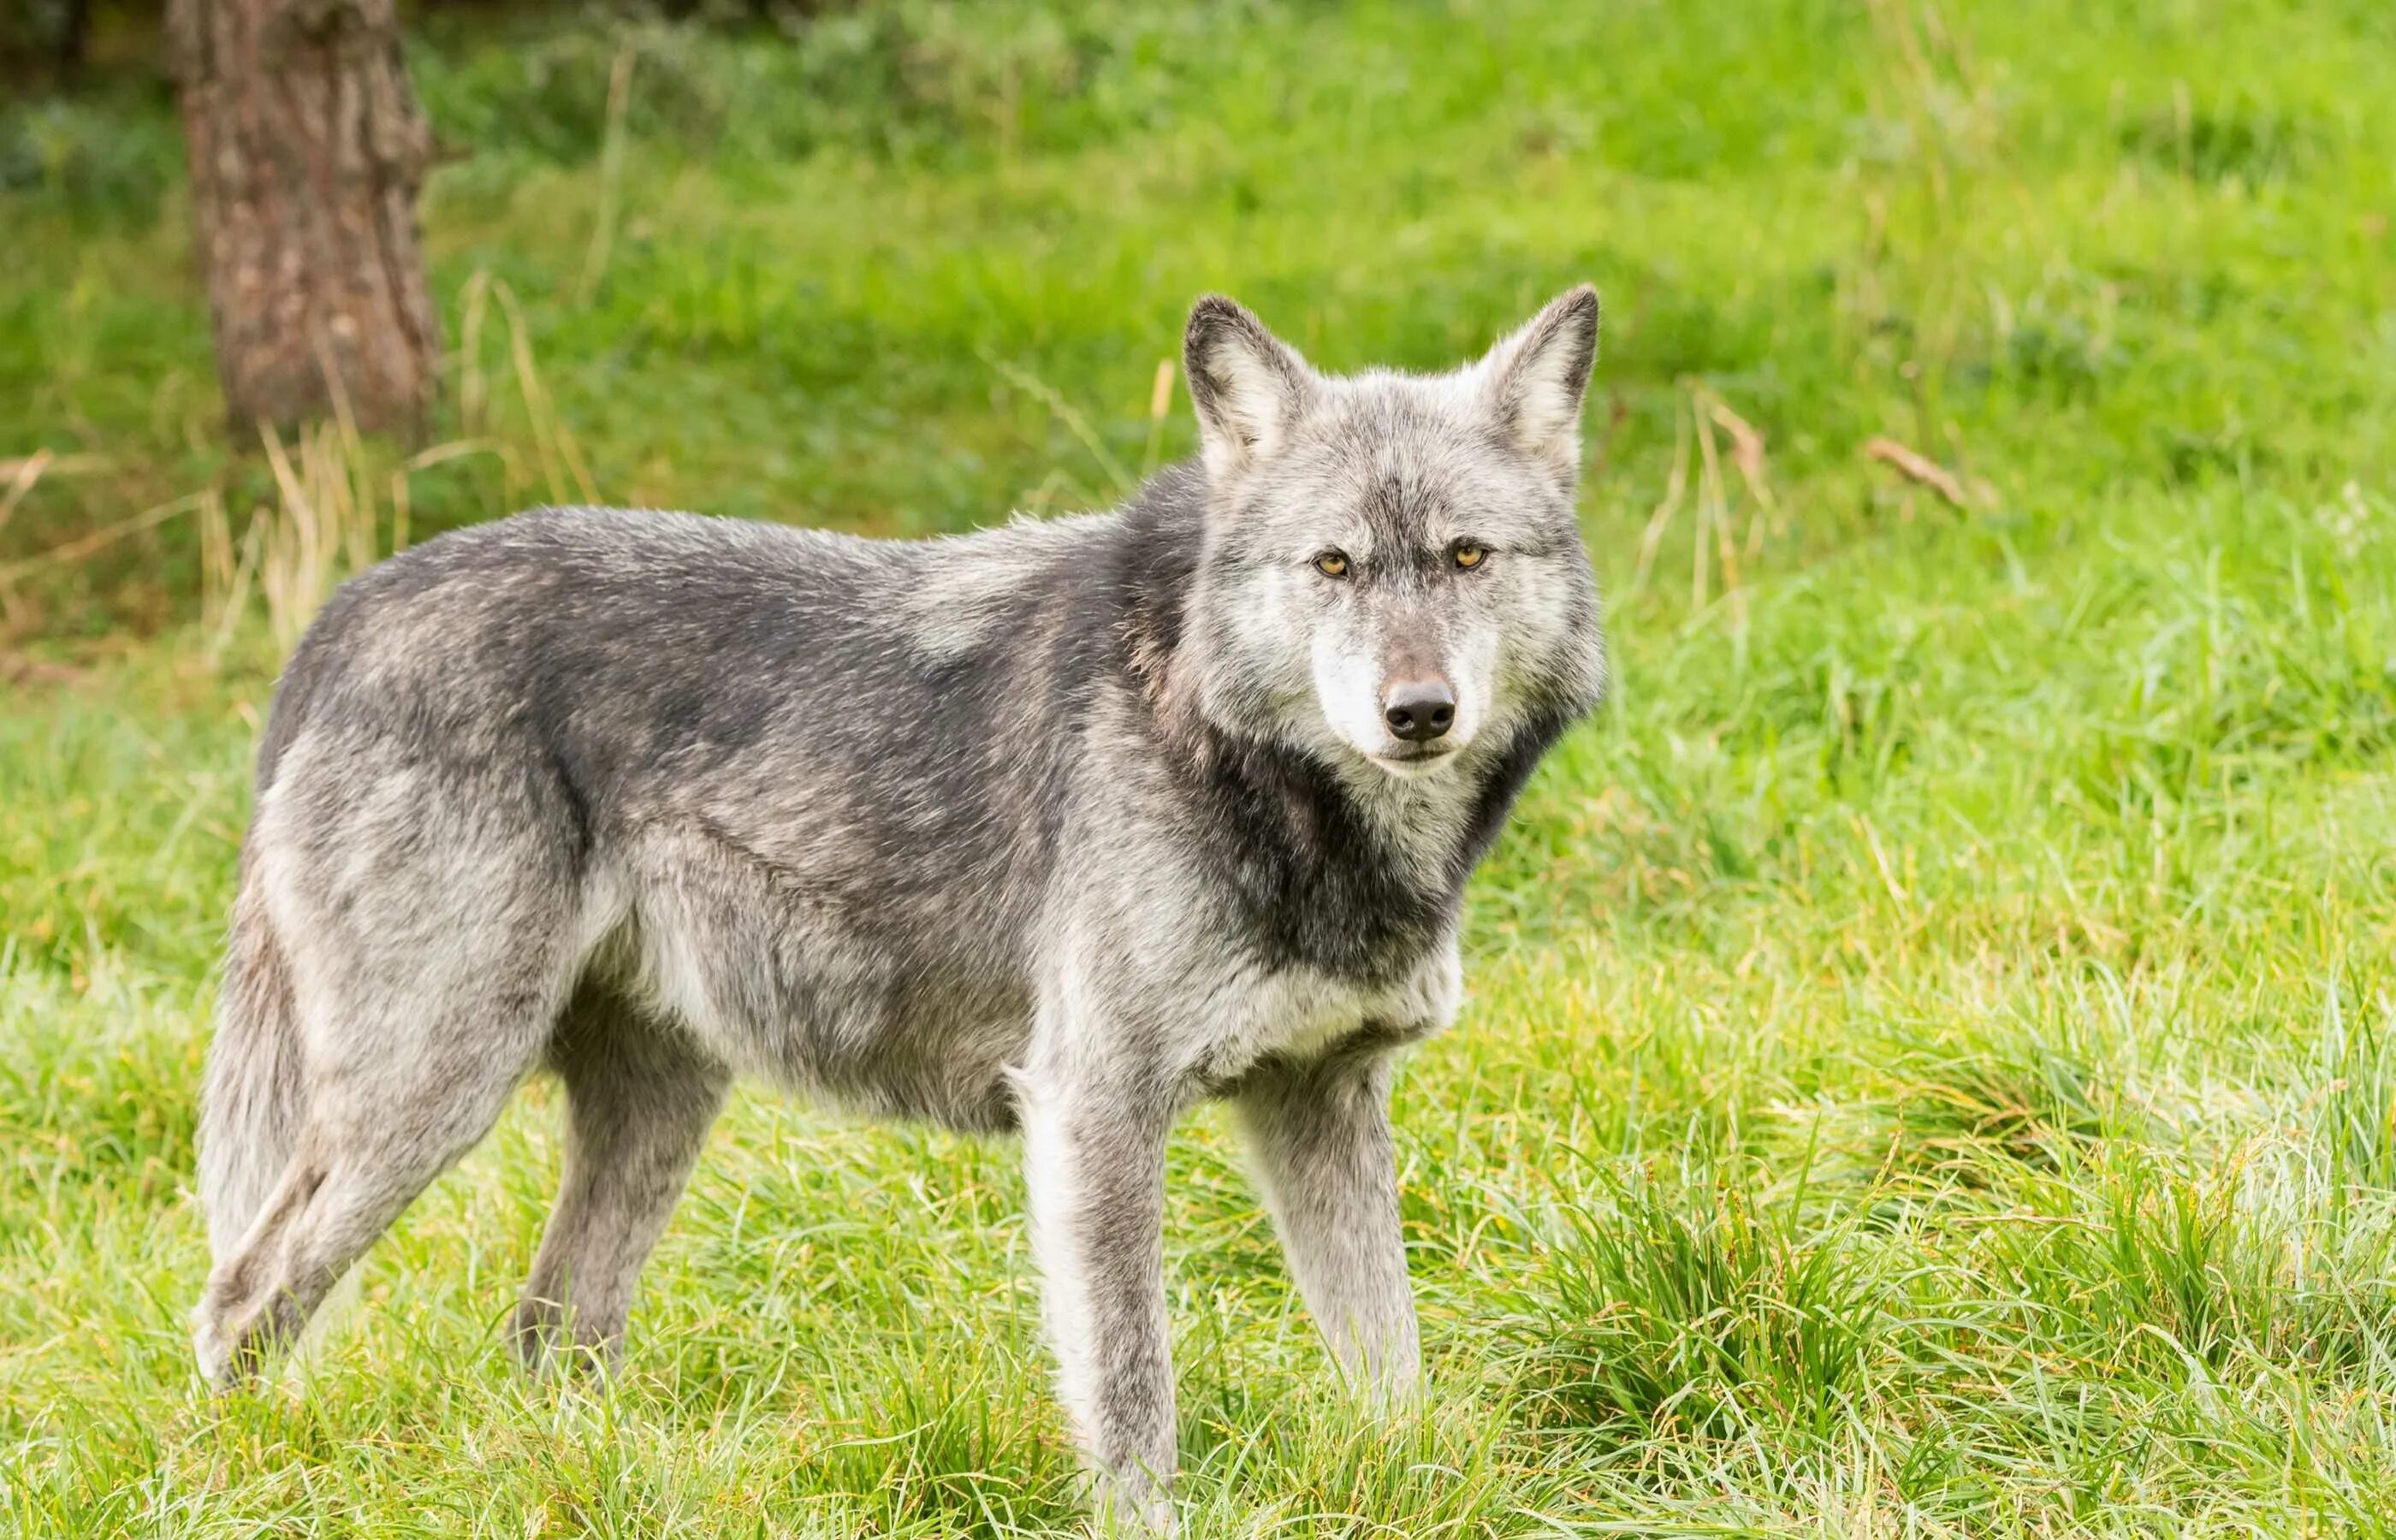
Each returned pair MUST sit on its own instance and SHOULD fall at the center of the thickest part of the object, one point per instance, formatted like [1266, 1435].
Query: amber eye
[1468, 555]
[1332, 564]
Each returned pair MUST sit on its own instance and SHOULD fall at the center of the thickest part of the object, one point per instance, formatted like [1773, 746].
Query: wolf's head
[1392, 571]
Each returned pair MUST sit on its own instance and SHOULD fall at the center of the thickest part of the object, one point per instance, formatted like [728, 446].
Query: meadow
[1930, 1067]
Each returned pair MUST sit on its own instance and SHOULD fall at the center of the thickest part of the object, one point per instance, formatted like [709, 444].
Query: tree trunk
[74, 38]
[307, 149]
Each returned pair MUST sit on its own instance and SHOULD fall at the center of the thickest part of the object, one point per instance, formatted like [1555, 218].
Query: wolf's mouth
[1415, 758]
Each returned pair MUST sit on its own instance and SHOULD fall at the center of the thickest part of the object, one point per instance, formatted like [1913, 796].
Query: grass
[1928, 1067]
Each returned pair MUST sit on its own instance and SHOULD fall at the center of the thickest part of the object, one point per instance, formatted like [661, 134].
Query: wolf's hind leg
[640, 1099]
[363, 1155]
[413, 1024]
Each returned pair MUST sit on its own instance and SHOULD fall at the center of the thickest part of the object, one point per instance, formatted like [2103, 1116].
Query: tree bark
[74, 38]
[307, 149]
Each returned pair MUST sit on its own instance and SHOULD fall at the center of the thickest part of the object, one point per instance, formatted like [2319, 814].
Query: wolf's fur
[1054, 827]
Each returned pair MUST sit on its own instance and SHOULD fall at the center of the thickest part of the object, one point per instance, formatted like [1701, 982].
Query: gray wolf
[1054, 828]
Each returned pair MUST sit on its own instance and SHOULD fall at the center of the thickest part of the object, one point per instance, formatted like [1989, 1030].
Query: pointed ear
[1249, 386]
[1537, 377]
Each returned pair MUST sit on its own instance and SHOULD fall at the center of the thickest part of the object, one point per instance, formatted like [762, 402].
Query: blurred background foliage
[830, 239]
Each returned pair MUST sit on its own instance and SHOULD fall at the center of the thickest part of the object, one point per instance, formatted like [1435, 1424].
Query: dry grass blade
[1695, 418]
[215, 559]
[551, 441]
[1920, 469]
[472, 391]
[611, 177]
[17, 669]
[295, 554]
[51, 463]
[20, 481]
[1746, 445]
[346, 465]
[1716, 500]
[98, 540]
[324, 528]
[1159, 404]
[403, 499]
[237, 587]
[1675, 489]
[1073, 421]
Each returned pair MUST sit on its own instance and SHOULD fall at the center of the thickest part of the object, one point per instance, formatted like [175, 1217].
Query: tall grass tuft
[1688, 1306]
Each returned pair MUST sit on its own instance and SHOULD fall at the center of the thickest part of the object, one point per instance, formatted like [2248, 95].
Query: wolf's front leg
[1320, 1134]
[1093, 1151]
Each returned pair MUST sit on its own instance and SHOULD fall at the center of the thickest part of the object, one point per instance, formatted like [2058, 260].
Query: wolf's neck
[1424, 822]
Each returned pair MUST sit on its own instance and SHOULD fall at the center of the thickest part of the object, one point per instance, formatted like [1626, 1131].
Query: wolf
[1052, 829]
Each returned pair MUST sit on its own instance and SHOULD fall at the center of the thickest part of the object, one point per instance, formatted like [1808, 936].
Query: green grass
[1929, 1066]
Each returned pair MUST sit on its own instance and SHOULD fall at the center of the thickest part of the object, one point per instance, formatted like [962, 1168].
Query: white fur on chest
[1301, 1013]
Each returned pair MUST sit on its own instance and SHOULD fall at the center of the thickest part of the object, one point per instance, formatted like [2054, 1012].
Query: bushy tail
[251, 1107]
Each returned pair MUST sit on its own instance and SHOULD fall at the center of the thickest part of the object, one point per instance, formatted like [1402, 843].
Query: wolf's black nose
[1420, 709]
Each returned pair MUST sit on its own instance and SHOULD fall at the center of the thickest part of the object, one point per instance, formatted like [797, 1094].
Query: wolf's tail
[254, 1098]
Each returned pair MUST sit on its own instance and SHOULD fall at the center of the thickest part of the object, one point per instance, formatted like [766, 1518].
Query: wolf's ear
[1249, 386]
[1537, 377]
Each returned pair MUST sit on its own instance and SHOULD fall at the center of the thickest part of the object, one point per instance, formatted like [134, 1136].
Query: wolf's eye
[1467, 555]
[1332, 564]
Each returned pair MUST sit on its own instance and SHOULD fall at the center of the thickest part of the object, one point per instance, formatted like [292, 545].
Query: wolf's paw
[553, 1343]
[1132, 1508]
[214, 1347]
